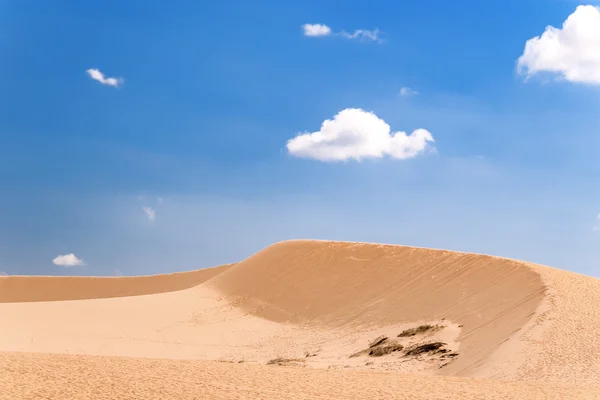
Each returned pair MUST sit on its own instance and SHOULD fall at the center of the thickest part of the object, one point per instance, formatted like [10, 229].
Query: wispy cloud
[354, 134]
[407, 92]
[320, 30]
[2, 273]
[572, 52]
[117, 272]
[362, 34]
[96, 75]
[67, 260]
[150, 213]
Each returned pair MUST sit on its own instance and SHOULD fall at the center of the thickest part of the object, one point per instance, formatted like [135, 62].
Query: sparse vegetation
[286, 361]
[385, 348]
[380, 347]
[308, 354]
[378, 340]
[419, 330]
[424, 348]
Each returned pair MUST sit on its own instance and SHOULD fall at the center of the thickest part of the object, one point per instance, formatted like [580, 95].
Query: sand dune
[316, 308]
[54, 288]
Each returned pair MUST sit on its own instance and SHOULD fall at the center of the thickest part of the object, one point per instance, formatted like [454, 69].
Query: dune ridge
[19, 289]
[341, 284]
[320, 304]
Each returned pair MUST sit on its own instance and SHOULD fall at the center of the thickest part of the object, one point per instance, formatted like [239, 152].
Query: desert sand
[307, 320]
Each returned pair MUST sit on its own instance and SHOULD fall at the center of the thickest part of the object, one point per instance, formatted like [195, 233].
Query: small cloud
[572, 52]
[316, 30]
[160, 200]
[117, 272]
[320, 30]
[362, 34]
[2, 273]
[406, 92]
[354, 134]
[96, 75]
[150, 213]
[67, 260]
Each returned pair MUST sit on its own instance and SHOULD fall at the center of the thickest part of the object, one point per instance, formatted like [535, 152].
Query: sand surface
[301, 318]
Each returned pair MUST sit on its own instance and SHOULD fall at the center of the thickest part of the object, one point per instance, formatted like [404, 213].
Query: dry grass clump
[380, 346]
[377, 341]
[385, 348]
[286, 361]
[419, 330]
[426, 348]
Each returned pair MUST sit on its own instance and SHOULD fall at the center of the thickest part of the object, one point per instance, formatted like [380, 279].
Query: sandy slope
[42, 376]
[54, 288]
[315, 304]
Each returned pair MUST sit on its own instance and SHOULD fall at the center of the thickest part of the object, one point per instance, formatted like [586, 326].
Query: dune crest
[357, 285]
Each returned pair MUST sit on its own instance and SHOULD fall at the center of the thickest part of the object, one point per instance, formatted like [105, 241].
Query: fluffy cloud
[316, 30]
[354, 134]
[67, 260]
[96, 75]
[406, 92]
[573, 52]
[150, 213]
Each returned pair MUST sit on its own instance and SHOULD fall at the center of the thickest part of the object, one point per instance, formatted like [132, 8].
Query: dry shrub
[419, 329]
[424, 348]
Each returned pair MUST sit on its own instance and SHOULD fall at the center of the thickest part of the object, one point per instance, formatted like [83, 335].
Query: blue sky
[197, 132]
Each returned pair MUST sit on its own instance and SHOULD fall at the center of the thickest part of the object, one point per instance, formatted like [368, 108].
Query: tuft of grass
[377, 341]
[381, 346]
[384, 349]
[424, 348]
[286, 361]
[308, 354]
[419, 329]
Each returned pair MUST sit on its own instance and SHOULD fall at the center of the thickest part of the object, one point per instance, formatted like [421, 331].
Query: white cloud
[319, 30]
[96, 75]
[354, 134]
[406, 92]
[316, 30]
[2, 273]
[117, 272]
[150, 213]
[67, 260]
[362, 34]
[160, 200]
[572, 52]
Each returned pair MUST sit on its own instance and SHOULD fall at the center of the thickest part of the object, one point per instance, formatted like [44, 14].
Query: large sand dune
[310, 310]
